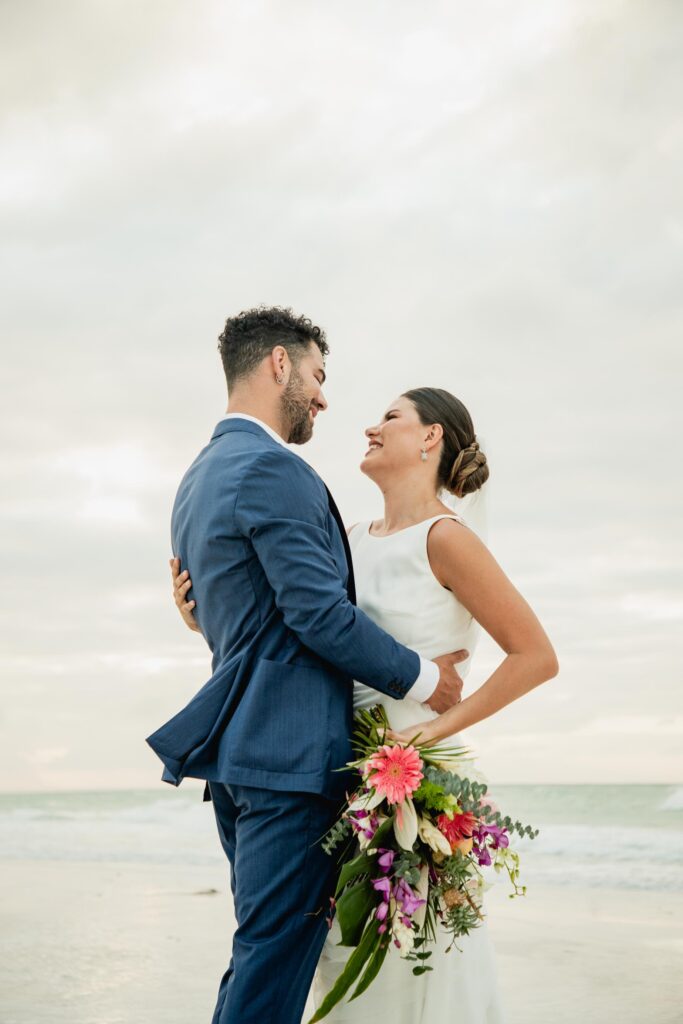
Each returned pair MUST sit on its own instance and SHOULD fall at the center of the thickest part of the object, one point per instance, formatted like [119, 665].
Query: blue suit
[268, 558]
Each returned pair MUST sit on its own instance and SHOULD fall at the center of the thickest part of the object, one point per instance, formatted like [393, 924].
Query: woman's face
[396, 441]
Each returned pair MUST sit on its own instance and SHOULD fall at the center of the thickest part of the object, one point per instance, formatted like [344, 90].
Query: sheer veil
[473, 507]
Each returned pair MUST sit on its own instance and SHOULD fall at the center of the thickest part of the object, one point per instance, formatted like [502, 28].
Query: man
[267, 554]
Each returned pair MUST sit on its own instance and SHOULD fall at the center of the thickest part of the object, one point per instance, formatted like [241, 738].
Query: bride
[428, 579]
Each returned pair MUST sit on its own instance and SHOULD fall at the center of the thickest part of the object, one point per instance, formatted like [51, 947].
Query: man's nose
[321, 402]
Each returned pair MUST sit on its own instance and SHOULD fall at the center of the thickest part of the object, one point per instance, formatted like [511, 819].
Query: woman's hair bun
[469, 471]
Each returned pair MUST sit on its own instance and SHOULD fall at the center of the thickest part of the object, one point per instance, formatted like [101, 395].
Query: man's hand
[448, 692]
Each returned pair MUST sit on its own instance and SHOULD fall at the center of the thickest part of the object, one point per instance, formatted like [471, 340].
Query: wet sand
[102, 943]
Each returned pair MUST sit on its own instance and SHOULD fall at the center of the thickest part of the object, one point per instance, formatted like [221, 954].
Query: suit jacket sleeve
[283, 509]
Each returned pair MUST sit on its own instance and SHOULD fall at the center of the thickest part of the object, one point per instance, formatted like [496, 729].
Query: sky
[482, 197]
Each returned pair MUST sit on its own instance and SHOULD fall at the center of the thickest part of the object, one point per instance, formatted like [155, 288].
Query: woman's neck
[407, 503]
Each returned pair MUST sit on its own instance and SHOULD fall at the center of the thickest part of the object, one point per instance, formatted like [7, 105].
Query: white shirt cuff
[426, 682]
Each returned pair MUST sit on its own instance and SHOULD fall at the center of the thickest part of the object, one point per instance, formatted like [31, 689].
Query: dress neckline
[394, 533]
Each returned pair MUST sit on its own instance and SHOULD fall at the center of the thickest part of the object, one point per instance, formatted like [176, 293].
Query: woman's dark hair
[250, 336]
[463, 467]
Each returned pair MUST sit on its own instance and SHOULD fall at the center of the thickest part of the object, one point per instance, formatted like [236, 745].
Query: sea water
[627, 836]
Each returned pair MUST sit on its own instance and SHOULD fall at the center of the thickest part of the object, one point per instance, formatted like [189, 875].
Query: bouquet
[422, 829]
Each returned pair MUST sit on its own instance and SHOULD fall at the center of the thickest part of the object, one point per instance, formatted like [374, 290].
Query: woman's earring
[423, 454]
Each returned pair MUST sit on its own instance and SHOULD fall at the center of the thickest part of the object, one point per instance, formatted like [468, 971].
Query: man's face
[302, 398]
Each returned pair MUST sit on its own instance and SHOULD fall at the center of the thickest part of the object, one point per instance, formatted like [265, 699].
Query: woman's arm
[463, 564]
[181, 585]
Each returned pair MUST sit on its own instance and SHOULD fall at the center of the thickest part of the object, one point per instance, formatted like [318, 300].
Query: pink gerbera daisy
[396, 772]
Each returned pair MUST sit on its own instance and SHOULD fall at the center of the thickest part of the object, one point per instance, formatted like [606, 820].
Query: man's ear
[279, 362]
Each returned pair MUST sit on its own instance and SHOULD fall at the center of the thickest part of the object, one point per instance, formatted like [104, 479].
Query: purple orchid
[386, 859]
[359, 824]
[496, 837]
[406, 898]
[483, 856]
[383, 886]
[497, 834]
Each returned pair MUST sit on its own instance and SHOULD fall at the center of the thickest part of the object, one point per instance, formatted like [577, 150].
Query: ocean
[625, 837]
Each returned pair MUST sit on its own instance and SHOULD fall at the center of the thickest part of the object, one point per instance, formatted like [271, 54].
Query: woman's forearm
[515, 676]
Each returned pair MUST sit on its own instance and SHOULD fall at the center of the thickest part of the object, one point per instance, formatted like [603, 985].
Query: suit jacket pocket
[282, 722]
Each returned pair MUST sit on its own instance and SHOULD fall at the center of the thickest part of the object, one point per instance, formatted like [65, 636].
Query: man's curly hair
[251, 335]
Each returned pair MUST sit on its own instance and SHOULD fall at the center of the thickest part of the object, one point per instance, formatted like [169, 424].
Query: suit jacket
[271, 573]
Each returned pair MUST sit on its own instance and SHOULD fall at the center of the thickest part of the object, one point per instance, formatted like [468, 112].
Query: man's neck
[269, 416]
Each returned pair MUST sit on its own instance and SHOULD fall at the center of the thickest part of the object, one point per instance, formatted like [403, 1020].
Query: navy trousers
[281, 883]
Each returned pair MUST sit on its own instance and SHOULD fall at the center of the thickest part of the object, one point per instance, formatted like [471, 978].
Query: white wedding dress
[397, 589]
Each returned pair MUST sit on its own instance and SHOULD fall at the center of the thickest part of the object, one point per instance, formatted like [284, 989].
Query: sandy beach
[101, 943]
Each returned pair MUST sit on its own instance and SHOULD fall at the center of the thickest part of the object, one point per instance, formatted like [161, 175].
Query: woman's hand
[425, 733]
[181, 585]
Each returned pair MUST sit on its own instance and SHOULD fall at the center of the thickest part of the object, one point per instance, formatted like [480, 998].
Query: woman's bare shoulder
[449, 536]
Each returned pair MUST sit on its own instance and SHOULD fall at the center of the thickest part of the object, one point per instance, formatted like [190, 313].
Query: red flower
[457, 828]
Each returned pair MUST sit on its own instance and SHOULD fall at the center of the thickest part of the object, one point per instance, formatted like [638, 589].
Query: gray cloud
[485, 199]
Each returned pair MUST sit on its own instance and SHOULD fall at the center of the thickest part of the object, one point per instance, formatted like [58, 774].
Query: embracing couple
[305, 625]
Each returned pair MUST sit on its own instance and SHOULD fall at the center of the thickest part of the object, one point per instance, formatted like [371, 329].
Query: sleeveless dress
[397, 589]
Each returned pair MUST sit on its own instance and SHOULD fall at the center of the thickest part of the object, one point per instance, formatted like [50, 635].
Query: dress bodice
[396, 588]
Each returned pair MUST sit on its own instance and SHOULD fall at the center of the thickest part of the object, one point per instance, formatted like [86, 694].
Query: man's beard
[295, 410]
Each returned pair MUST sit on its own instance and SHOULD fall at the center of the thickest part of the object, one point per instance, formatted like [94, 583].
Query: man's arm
[283, 509]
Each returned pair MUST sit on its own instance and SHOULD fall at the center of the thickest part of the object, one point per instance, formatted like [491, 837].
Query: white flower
[404, 934]
[364, 841]
[366, 802]
[434, 839]
[405, 824]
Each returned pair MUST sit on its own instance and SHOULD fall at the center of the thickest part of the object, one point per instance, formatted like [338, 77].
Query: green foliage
[384, 829]
[372, 969]
[407, 865]
[461, 919]
[353, 907]
[432, 797]
[419, 957]
[360, 865]
[340, 831]
[370, 727]
[469, 795]
[509, 859]
[365, 949]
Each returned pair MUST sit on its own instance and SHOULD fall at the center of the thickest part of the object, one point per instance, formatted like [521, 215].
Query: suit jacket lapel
[351, 582]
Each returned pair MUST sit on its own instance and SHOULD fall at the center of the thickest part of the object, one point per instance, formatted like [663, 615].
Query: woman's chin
[368, 467]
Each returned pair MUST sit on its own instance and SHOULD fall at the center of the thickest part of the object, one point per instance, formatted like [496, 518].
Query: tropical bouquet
[421, 829]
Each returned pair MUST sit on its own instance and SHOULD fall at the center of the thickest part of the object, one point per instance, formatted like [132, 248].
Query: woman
[429, 580]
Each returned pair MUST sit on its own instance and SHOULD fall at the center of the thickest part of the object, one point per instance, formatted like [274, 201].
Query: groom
[272, 578]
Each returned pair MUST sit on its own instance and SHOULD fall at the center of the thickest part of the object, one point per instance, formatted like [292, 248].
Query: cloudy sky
[481, 197]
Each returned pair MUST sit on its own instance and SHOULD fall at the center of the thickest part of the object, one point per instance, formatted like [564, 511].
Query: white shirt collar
[252, 419]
